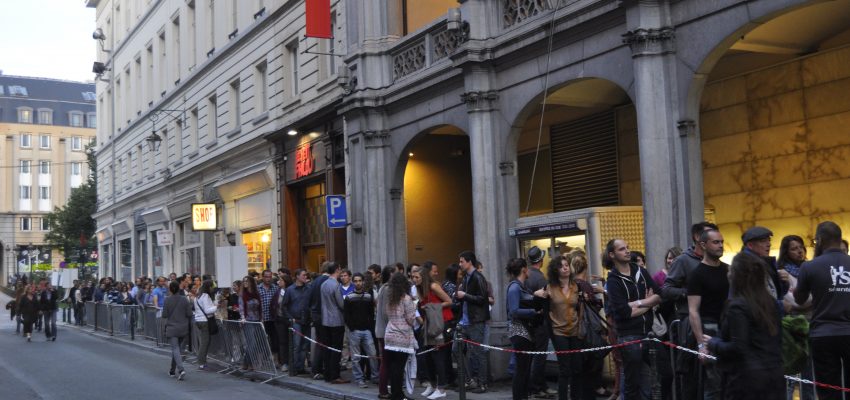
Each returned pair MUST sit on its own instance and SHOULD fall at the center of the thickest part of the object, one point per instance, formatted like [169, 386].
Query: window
[235, 105]
[163, 64]
[24, 115]
[26, 192]
[76, 168]
[193, 130]
[91, 120]
[76, 143]
[292, 52]
[190, 20]
[211, 27]
[45, 117]
[44, 192]
[88, 96]
[261, 81]
[26, 140]
[76, 119]
[44, 141]
[18, 91]
[26, 223]
[176, 68]
[45, 224]
[212, 119]
[25, 166]
[44, 167]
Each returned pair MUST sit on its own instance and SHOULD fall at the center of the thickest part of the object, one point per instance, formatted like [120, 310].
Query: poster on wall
[34, 259]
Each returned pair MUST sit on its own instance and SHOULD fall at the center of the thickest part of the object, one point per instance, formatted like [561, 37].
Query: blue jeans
[300, 346]
[356, 340]
[477, 357]
[49, 324]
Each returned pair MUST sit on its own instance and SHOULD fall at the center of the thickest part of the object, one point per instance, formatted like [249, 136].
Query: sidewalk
[303, 383]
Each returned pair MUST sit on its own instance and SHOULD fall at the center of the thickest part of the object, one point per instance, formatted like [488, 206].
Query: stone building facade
[688, 109]
[47, 125]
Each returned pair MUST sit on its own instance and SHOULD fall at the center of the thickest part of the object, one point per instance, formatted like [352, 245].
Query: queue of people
[394, 324]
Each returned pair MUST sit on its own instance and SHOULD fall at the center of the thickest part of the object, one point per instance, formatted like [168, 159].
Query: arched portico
[772, 117]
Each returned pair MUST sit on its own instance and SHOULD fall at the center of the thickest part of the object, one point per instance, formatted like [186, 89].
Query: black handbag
[212, 324]
[592, 328]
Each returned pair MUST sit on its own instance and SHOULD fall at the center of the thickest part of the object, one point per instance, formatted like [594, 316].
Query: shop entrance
[258, 245]
[313, 226]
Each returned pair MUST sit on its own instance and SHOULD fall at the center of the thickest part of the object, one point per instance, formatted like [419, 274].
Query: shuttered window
[584, 163]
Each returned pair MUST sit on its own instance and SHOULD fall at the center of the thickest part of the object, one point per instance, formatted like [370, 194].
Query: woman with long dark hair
[399, 341]
[251, 308]
[749, 348]
[433, 298]
[523, 319]
[205, 310]
[792, 254]
[564, 294]
[28, 310]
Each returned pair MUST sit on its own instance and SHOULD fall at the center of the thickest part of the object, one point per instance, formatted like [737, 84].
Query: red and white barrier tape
[360, 355]
[573, 351]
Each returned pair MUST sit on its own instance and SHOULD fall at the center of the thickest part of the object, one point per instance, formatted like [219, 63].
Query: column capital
[376, 139]
[480, 100]
[652, 41]
[687, 127]
[395, 194]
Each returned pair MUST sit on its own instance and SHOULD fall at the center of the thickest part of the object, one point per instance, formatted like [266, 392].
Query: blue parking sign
[336, 212]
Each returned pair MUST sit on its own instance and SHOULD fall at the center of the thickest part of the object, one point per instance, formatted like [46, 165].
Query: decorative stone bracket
[651, 41]
[480, 100]
[687, 127]
[376, 139]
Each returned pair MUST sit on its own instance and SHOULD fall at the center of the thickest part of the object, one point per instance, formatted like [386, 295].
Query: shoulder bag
[212, 325]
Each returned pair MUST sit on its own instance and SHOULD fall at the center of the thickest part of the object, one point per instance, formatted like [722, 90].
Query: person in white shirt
[204, 314]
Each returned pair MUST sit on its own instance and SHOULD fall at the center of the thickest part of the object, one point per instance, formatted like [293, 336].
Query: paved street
[80, 366]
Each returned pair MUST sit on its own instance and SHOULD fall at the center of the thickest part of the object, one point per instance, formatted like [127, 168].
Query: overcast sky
[47, 38]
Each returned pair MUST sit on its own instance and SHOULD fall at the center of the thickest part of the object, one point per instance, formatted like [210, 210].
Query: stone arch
[433, 180]
[765, 106]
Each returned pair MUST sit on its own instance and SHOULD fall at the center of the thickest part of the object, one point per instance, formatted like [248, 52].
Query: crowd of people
[396, 324]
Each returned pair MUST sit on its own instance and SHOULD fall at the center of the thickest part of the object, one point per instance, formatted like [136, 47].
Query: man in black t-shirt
[708, 289]
[827, 280]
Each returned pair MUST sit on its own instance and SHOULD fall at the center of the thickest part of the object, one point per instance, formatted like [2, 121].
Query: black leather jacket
[476, 298]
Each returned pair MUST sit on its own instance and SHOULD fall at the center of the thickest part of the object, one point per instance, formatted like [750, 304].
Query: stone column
[374, 203]
[651, 39]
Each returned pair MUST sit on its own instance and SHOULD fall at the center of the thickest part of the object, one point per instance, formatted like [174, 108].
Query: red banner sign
[319, 19]
[304, 164]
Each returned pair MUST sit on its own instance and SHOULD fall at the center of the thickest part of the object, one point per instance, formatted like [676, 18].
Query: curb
[300, 384]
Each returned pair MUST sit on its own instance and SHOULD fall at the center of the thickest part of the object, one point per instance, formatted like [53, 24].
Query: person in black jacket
[475, 312]
[49, 304]
[749, 348]
[632, 294]
[28, 307]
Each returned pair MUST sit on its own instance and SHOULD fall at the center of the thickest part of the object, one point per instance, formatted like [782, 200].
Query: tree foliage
[72, 224]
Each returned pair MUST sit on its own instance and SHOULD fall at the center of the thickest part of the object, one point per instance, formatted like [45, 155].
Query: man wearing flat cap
[757, 242]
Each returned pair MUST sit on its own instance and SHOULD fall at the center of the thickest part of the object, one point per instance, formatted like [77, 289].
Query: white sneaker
[438, 394]
[428, 390]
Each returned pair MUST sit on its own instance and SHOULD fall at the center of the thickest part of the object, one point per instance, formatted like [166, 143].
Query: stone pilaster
[652, 42]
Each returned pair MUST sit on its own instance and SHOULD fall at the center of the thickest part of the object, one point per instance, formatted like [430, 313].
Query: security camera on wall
[98, 68]
[98, 34]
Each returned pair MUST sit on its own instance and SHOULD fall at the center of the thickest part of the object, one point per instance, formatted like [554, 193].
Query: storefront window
[141, 256]
[126, 260]
[258, 244]
[190, 250]
[106, 261]
[156, 256]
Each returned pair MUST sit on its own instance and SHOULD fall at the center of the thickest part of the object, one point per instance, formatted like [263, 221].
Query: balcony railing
[426, 47]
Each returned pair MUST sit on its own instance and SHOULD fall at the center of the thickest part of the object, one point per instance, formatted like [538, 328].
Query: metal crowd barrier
[123, 319]
[150, 324]
[103, 318]
[89, 313]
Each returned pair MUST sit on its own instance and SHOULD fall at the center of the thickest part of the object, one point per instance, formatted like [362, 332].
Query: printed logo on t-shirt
[840, 279]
